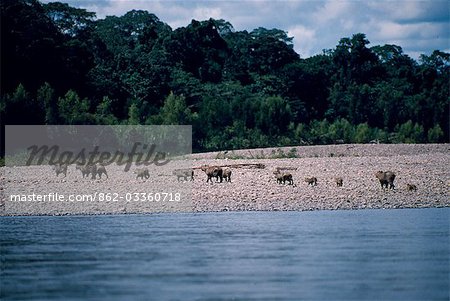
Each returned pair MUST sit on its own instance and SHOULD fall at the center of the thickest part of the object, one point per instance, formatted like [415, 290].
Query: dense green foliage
[239, 89]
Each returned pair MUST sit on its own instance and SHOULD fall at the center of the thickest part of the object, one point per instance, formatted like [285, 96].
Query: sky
[419, 27]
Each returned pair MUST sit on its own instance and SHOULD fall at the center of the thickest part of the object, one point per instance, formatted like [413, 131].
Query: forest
[238, 89]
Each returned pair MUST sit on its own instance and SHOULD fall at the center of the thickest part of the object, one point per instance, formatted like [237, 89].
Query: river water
[322, 255]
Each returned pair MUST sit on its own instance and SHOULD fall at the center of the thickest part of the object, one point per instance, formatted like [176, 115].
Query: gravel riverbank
[425, 166]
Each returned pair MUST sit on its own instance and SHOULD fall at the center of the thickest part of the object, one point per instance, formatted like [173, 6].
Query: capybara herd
[93, 169]
[386, 178]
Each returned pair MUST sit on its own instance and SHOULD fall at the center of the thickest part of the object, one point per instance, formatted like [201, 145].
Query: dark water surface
[323, 255]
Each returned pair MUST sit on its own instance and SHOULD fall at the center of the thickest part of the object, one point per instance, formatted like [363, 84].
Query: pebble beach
[253, 185]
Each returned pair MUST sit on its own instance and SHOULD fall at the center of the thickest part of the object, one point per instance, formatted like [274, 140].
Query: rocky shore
[253, 185]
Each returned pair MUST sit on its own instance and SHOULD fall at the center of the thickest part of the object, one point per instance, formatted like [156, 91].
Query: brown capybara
[185, 174]
[227, 175]
[311, 181]
[100, 169]
[85, 169]
[93, 169]
[213, 172]
[411, 187]
[386, 179]
[60, 169]
[142, 173]
[282, 178]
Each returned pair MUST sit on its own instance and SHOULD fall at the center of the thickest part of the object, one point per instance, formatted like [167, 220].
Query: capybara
[386, 179]
[311, 181]
[213, 171]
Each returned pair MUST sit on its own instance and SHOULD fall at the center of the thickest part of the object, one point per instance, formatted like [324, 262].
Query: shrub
[435, 134]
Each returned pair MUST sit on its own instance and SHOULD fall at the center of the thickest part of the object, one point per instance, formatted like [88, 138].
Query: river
[320, 255]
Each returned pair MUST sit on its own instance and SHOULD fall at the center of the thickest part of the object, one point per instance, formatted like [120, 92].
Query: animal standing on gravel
[60, 168]
[93, 169]
[227, 175]
[279, 178]
[411, 187]
[311, 181]
[287, 177]
[386, 179]
[213, 171]
[85, 169]
[142, 173]
[282, 178]
[184, 173]
[339, 181]
[101, 170]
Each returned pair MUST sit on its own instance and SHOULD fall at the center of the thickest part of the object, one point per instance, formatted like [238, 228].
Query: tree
[319, 132]
[435, 134]
[72, 109]
[104, 113]
[410, 132]
[131, 64]
[363, 133]
[132, 31]
[341, 129]
[198, 49]
[261, 51]
[30, 48]
[175, 111]
[134, 117]
[389, 105]
[46, 96]
[21, 108]
[214, 113]
[69, 20]
[438, 60]
[187, 85]
[274, 116]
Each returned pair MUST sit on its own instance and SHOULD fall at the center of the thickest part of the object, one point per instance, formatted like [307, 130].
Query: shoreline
[256, 189]
[206, 212]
